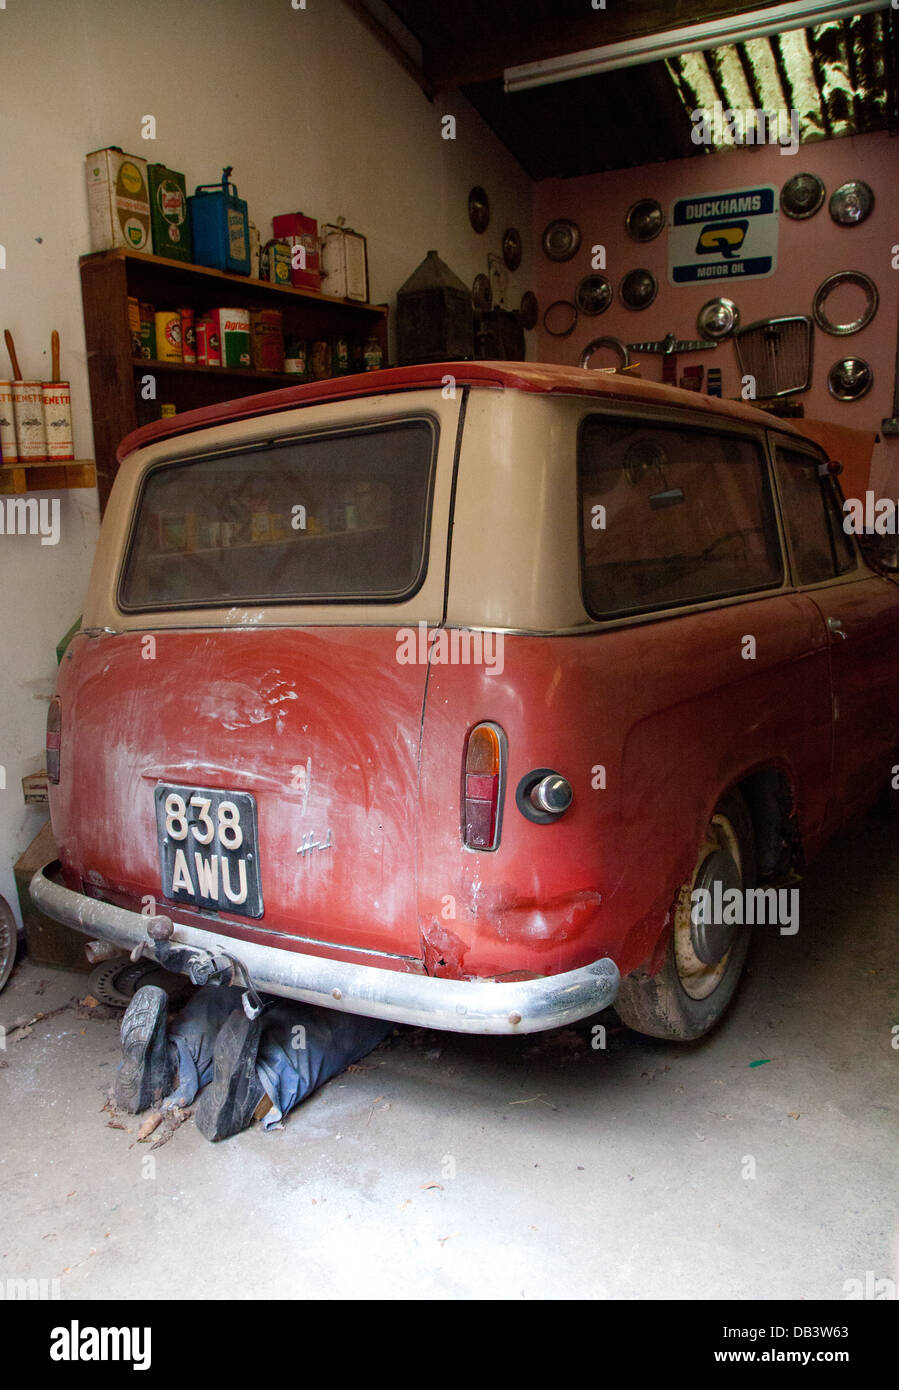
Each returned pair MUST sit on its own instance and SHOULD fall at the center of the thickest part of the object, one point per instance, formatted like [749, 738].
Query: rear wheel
[705, 956]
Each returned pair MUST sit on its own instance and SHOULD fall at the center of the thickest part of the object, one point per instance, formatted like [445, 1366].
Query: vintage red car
[443, 694]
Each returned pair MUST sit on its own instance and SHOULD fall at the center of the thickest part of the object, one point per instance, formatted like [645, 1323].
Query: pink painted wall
[808, 251]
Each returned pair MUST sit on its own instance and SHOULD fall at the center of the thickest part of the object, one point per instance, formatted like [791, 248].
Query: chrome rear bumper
[460, 1006]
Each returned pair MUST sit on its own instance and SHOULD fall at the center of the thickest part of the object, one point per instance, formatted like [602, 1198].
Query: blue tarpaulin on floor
[302, 1046]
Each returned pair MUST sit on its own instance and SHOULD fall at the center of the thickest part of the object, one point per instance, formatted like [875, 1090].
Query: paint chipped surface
[325, 738]
[238, 705]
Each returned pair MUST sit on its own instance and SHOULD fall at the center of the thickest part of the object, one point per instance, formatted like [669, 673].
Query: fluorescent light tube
[671, 43]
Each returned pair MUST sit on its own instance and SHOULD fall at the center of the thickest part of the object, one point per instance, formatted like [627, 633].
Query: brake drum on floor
[116, 981]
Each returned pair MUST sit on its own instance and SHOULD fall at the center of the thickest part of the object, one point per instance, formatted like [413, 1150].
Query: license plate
[208, 849]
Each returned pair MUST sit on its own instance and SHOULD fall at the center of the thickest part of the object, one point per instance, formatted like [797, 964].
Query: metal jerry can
[168, 213]
[301, 234]
[344, 262]
[220, 227]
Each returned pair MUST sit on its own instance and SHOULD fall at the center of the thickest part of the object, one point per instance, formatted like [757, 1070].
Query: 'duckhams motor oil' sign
[721, 237]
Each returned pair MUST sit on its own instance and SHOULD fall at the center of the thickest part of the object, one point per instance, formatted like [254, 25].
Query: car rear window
[333, 517]
[672, 515]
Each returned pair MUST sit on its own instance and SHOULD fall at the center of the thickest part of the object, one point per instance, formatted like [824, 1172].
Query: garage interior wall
[313, 115]
[808, 251]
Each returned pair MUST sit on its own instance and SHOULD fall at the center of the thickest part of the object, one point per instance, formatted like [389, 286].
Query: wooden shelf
[149, 364]
[110, 278]
[243, 282]
[46, 477]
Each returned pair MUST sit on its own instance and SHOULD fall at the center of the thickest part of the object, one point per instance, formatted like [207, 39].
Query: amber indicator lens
[54, 725]
[482, 787]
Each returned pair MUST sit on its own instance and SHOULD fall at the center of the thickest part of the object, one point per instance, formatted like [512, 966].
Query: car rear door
[246, 744]
[861, 613]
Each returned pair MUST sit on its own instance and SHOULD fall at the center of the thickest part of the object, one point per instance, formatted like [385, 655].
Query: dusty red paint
[275, 713]
[672, 711]
[676, 716]
[331, 734]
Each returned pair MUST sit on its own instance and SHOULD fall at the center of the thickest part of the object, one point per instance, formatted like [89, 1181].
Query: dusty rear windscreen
[325, 518]
[672, 516]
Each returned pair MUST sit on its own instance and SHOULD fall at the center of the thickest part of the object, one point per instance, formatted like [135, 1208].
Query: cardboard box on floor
[49, 942]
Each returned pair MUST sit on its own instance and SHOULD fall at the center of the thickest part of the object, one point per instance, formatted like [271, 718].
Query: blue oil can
[220, 227]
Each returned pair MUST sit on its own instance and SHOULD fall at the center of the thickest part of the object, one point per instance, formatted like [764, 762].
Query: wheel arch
[770, 795]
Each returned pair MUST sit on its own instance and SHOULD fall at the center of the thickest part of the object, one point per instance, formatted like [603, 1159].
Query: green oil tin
[168, 213]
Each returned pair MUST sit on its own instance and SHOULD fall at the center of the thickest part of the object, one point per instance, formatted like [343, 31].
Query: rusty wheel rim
[697, 978]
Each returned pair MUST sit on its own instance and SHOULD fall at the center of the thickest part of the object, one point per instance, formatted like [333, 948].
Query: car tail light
[483, 784]
[54, 726]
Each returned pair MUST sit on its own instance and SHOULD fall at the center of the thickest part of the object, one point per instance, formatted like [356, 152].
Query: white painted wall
[312, 114]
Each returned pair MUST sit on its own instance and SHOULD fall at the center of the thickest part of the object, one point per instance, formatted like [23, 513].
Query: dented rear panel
[240, 743]
[272, 715]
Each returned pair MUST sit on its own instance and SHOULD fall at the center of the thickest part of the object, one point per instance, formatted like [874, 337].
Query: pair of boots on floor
[288, 1051]
[149, 1068]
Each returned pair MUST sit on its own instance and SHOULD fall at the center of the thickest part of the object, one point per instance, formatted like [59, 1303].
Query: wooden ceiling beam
[395, 49]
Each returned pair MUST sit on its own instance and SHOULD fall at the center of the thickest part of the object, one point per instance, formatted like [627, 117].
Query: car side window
[821, 550]
[671, 515]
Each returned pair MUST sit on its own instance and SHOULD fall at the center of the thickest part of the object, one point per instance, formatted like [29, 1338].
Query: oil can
[220, 227]
[28, 407]
[344, 262]
[301, 234]
[233, 329]
[168, 213]
[274, 263]
[267, 340]
[168, 335]
[147, 330]
[7, 424]
[118, 200]
[57, 406]
[188, 337]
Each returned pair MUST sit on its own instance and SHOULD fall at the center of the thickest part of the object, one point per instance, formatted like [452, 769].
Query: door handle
[836, 625]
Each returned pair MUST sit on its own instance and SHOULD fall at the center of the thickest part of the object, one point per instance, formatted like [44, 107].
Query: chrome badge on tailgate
[208, 849]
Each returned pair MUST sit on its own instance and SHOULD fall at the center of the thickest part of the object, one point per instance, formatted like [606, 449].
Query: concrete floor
[577, 1174]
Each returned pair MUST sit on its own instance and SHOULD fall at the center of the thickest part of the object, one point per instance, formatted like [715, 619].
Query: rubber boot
[147, 1071]
[229, 1101]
